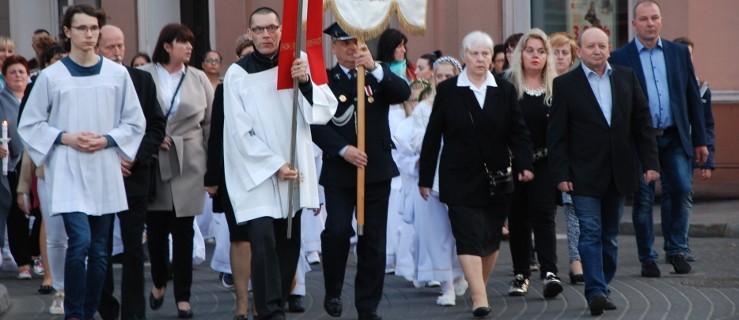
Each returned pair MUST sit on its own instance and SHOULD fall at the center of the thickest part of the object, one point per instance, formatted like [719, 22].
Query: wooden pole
[360, 141]
[292, 184]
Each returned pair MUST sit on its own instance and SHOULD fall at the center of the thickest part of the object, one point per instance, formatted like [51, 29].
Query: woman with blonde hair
[534, 203]
[564, 47]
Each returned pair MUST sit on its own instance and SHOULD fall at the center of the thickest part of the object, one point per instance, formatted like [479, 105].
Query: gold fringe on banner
[407, 26]
[367, 34]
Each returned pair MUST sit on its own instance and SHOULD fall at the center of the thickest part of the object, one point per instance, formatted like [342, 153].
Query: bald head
[111, 44]
[594, 49]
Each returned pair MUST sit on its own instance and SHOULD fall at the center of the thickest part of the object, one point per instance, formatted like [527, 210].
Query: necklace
[535, 92]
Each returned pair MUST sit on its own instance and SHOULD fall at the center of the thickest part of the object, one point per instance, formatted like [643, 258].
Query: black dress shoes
[184, 314]
[155, 303]
[576, 278]
[481, 312]
[680, 264]
[295, 304]
[369, 316]
[609, 304]
[597, 305]
[333, 307]
[650, 269]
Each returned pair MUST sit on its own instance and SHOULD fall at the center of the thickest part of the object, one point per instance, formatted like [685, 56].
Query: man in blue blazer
[666, 74]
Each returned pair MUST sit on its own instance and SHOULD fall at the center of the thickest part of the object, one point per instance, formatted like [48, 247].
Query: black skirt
[477, 229]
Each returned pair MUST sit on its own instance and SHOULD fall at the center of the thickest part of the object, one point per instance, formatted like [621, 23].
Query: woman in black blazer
[477, 116]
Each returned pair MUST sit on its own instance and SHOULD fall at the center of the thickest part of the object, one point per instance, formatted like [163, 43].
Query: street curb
[697, 230]
[4, 299]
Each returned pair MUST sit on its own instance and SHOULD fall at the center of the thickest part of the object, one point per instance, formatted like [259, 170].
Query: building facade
[217, 23]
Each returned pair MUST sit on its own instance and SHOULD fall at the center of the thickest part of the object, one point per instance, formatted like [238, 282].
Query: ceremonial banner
[314, 47]
[314, 42]
[287, 44]
[366, 19]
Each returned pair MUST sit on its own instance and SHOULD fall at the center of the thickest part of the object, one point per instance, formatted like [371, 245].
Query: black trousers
[274, 259]
[23, 242]
[533, 207]
[340, 204]
[160, 224]
[133, 303]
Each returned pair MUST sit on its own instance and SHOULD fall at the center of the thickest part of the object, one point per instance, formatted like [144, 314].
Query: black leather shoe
[481, 312]
[295, 304]
[369, 316]
[241, 317]
[609, 304]
[650, 269]
[333, 307]
[597, 305]
[184, 314]
[155, 303]
[681, 266]
[576, 278]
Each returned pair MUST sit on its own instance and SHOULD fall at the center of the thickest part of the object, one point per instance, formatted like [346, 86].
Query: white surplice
[256, 139]
[104, 104]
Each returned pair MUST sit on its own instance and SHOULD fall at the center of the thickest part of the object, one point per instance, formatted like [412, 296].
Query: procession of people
[455, 155]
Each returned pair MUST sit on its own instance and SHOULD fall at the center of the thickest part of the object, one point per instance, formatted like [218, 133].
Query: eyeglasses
[214, 61]
[85, 29]
[270, 28]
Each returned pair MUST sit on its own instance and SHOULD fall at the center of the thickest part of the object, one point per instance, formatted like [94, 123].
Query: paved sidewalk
[709, 219]
[711, 291]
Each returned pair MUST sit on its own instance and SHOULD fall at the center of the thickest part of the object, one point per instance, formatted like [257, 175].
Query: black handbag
[499, 181]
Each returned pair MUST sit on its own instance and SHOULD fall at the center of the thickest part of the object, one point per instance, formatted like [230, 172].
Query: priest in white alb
[256, 144]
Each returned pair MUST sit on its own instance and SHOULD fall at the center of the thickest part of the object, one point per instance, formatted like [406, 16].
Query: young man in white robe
[257, 138]
[82, 115]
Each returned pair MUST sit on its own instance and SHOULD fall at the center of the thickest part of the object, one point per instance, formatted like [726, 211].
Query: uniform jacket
[334, 136]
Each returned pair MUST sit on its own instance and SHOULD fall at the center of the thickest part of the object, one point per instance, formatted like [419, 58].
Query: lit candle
[5, 146]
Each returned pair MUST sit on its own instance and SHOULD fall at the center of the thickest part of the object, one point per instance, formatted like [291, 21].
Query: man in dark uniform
[338, 140]
[136, 179]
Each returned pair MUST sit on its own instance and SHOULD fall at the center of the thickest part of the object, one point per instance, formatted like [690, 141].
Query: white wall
[21, 30]
[153, 16]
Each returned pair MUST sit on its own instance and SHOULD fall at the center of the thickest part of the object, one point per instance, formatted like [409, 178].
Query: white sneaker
[519, 286]
[460, 287]
[38, 267]
[57, 305]
[433, 284]
[9, 264]
[24, 275]
[552, 285]
[313, 257]
[446, 300]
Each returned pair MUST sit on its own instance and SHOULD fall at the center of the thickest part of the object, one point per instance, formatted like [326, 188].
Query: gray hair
[515, 73]
[476, 37]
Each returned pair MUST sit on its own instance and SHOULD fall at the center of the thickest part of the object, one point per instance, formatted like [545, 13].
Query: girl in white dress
[436, 245]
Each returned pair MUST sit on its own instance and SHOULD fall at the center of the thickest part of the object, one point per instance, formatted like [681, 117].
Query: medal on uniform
[342, 98]
[368, 92]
